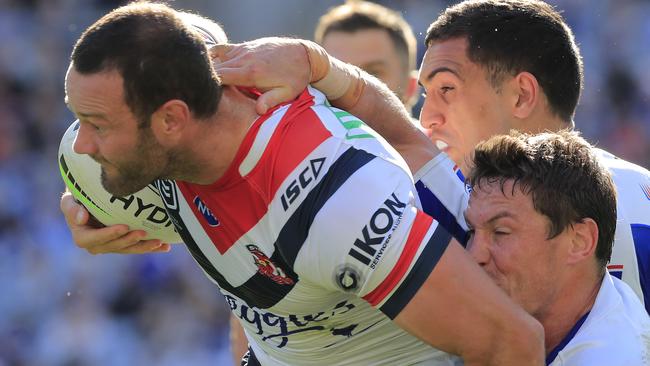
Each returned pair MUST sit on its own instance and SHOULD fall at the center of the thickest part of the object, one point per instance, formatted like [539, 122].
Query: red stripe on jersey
[293, 140]
[615, 266]
[419, 229]
[239, 203]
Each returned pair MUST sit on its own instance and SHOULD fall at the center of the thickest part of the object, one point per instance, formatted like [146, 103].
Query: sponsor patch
[205, 212]
[375, 235]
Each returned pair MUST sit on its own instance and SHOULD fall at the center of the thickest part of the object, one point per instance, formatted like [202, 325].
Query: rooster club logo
[267, 268]
[205, 211]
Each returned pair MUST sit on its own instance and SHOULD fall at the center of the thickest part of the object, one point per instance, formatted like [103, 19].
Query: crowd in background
[63, 306]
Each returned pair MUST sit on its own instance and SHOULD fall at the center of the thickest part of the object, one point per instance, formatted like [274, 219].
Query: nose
[84, 142]
[431, 115]
[478, 249]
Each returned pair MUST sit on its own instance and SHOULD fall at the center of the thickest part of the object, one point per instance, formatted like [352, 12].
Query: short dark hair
[361, 15]
[159, 56]
[512, 36]
[561, 173]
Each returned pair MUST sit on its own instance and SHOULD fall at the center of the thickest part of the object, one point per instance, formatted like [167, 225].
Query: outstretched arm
[413, 272]
[281, 68]
[460, 310]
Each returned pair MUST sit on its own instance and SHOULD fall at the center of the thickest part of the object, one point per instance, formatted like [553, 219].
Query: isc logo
[307, 175]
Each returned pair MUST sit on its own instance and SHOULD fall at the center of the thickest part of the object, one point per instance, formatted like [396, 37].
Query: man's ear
[411, 93]
[527, 93]
[169, 121]
[583, 241]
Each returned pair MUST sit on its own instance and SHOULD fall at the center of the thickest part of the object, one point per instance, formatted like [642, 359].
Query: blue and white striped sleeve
[444, 195]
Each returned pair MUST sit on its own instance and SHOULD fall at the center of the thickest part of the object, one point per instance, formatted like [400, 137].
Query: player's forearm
[460, 310]
[385, 113]
[361, 94]
[238, 341]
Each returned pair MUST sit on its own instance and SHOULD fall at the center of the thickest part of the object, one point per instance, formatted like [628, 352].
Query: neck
[211, 147]
[575, 299]
[542, 119]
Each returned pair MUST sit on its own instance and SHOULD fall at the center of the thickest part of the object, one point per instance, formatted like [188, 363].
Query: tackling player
[492, 66]
[542, 215]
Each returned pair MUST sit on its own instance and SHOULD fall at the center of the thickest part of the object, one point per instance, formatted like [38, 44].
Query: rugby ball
[143, 210]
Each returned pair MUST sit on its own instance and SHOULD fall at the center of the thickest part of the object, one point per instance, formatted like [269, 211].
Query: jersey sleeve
[630, 259]
[368, 238]
[444, 195]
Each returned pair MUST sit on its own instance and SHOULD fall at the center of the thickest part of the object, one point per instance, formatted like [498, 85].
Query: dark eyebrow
[492, 219]
[89, 115]
[500, 215]
[439, 70]
[81, 114]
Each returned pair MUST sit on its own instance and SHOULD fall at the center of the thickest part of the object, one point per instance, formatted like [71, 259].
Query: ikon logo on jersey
[205, 211]
[371, 244]
[267, 268]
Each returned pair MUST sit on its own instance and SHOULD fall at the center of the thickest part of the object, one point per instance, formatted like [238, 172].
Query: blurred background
[62, 306]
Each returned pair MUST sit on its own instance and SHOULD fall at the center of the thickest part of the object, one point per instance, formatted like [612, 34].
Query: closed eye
[446, 89]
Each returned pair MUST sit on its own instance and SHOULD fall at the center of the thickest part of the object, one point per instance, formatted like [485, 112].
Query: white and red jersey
[315, 239]
[631, 253]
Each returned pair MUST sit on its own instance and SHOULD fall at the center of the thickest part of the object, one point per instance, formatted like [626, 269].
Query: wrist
[342, 83]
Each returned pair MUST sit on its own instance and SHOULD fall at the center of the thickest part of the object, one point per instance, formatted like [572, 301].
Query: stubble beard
[146, 163]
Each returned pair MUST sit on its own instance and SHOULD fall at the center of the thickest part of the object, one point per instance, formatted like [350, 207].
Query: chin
[120, 187]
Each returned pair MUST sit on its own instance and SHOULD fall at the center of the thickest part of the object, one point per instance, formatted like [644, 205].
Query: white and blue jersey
[444, 196]
[445, 199]
[631, 253]
[615, 332]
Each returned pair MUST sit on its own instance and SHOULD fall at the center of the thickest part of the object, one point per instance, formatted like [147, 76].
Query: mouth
[98, 160]
[441, 145]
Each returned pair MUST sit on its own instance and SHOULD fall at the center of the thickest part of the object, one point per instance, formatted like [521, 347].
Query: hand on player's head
[278, 67]
[97, 239]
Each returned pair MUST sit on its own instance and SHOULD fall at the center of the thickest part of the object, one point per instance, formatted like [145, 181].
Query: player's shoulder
[616, 331]
[631, 180]
[352, 131]
[616, 314]
[622, 168]
[310, 123]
